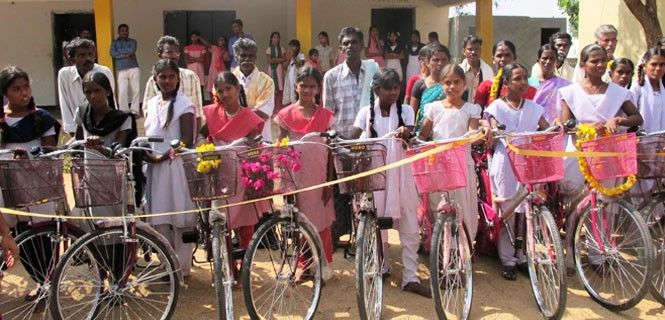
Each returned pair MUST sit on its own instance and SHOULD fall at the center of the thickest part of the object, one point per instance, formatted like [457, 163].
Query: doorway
[211, 25]
[401, 20]
[67, 26]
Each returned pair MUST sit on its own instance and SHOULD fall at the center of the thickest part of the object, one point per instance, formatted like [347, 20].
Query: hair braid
[372, 115]
[640, 74]
[400, 120]
[171, 111]
[243, 97]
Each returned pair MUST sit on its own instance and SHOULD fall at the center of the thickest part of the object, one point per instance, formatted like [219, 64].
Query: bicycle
[611, 241]
[27, 183]
[282, 269]
[650, 168]
[540, 241]
[105, 274]
[451, 268]
[351, 157]
[213, 186]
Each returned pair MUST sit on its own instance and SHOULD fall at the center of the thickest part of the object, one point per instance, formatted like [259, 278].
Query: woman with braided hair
[399, 201]
[503, 53]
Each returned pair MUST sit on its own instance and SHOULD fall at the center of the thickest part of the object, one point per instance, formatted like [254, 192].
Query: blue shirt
[121, 51]
[234, 62]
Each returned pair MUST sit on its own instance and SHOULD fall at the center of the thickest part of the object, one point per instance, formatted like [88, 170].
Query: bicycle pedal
[190, 237]
[384, 223]
[237, 254]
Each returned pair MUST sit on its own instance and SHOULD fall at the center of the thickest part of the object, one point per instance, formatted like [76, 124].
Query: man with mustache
[475, 69]
[81, 54]
[560, 41]
[346, 88]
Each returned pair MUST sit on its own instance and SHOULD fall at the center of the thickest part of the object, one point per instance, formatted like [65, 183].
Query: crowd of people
[411, 89]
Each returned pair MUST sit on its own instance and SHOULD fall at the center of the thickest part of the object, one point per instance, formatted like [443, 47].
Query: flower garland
[586, 132]
[205, 166]
[494, 89]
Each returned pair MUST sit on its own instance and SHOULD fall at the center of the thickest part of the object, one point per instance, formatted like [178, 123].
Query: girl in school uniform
[23, 126]
[227, 120]
[605, 106]
[649, 95]
[518, 115]
[296, 120]
[172, 116]
[400, 200]
[450, 118]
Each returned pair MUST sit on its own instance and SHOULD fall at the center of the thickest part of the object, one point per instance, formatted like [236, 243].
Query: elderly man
[168, 47]
[560, 41]
[606, 37]
[259, 87]
[81, 53]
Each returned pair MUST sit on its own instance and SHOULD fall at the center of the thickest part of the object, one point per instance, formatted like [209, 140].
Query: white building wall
[28, 24]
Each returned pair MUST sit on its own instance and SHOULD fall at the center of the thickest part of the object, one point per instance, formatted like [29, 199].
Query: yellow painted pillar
[484, 28]
[104, 31]
[304, 24]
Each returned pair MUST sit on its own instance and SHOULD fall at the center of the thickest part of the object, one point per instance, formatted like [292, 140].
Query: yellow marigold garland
[586, 133]
[205, 166]
[494, 89]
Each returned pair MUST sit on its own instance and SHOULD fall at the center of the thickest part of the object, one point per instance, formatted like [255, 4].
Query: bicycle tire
[254, 268]
[221, 271]
[369, 263]
[126, 301]
[585, 251]
[15, 304]
[656, 224]
[545, 230]
[445, 287]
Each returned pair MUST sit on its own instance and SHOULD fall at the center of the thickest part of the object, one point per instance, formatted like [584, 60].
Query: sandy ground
[494, 297]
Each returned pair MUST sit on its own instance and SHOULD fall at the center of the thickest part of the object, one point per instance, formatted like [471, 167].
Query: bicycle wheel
[222, 277]
[105, 276]
[369, 262]
[451, 270]
[613, 254]
[25, 287]
[655, 219]
[284, 282]
[545, 261]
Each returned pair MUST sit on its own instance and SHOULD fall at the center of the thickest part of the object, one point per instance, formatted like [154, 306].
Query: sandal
[418, 288]
[508, 273]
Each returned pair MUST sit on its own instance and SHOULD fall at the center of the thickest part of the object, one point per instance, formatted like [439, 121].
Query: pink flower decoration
[255, 166]
[264, 158]
[272, 175]
[266, 168]
[258, 184]
[295, 154]
[295, 166]
[282, 158]
[245, 181]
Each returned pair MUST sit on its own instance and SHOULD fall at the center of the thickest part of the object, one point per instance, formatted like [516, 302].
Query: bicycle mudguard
[149, 229]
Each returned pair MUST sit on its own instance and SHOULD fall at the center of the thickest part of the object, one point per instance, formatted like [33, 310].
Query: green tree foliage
[572, 9]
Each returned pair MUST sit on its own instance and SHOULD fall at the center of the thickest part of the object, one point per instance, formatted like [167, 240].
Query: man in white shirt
[475, 69]
[561, 41]
[259, 87]
[81, 53]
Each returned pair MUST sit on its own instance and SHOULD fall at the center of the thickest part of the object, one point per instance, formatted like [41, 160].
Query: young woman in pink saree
[305, 116]
[228, 120]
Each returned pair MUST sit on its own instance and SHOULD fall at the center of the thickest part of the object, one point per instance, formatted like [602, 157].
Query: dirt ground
[493, 297]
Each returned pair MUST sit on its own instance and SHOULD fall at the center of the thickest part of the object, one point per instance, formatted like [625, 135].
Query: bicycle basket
[535, 169]
[603, 168]
[29, 182]
[98, 182]
[442, 171]
[352, 159]
[219, 182]
[268, 171]
[650, 165]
